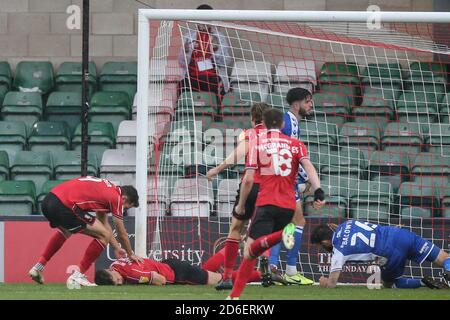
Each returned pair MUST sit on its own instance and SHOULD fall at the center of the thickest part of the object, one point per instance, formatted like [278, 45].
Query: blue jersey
[362, 241]
[291, 128]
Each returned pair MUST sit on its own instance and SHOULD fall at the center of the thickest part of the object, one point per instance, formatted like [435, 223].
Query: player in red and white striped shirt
[69, 206]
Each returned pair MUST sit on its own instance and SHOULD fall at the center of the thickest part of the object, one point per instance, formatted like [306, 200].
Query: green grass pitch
[178, 292]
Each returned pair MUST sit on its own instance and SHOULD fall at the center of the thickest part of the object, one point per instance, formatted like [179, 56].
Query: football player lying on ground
[390, 246]
[169, 271]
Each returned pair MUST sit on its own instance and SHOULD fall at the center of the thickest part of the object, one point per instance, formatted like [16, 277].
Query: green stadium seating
[239, 103]
[68, 77]
[384, 73]
[174, 158]
[112, 107]
[317, 133]
[331, 108]
[5, 79]
[431, 164]
[49, 136]
[64, 106]
[4, 165]
[36, 75]
[402, 137]
[390, 167]
[414, 212]
[237, 122]
[22, 106]
[17, 198]
[278, 101]
[33, 166]
[414, 194]
[427, 70]
[68, 164]
[372, 200]
[378, 102]
[444, 109]
[119, 76]
[438, 137]
[446, 202]
[101, 137]
[46, 188]
[184, 131]
[417, 107]
[348, 162]
[202, 104]
[13, 137]
[335, 207]
[365, 135]
[339, 72]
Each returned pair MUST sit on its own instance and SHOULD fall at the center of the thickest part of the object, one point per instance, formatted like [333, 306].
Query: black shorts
[249, 204]
[60, 216]
[186, 273]
[269, 219]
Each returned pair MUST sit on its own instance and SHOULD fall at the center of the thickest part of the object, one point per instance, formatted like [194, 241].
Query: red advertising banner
[24, 242]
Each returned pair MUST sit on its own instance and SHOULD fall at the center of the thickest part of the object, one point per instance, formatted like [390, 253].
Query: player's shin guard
[243, 274]
[407, 283]
[274, 256]
[265, 242]
[53, 245]
[231, 252]
[292, 255]
[93, 251]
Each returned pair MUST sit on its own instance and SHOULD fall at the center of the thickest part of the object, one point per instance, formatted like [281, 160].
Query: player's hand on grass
[212, 173]
[120, 253]
[323, 281]
[136, 258]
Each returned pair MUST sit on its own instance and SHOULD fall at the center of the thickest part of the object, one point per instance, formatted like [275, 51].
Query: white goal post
[147, 15]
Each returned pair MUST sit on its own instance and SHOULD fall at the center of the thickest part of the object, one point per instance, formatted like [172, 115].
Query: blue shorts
[302, 178]
[407, 246]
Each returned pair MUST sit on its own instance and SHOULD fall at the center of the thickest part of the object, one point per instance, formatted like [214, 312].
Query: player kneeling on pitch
[390, 246]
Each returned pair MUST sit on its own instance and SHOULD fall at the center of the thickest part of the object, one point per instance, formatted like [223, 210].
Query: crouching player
[390, 246]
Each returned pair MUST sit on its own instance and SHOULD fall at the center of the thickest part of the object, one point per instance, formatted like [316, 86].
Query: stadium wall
[36, 29]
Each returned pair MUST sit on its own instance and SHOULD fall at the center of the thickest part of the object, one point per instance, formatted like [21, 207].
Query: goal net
[379, 133]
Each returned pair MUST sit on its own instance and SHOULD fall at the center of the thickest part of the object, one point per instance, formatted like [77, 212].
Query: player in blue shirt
[300, 105]
[390, 246]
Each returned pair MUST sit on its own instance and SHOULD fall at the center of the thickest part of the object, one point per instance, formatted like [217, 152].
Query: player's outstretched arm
[122, 235]
[319, 198]
[118, 251]
[237, 154]
[331, 281]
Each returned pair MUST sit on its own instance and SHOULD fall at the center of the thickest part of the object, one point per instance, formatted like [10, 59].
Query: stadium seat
[336, 206]
[184, 131]
[414, 212]
[64, 106]
[446, 202]
[438, 137]
[68, 164]
[46, 188]
[364, 135]
[444, 109]
[165, 71]
[427, 70]
[220, 142]
[49, 136]
[239, 103]
[252, 76]
[392, 167]
[340, 78]
[36, 76]
[226, 197]
[382, 73]
[278, 101]
[296, 73]
[201, 104]
[348, 162]
[119, 165]
[371, 201]
[158, 196]
[5, 79]
[192, 198]
[17, 198]
[318, 133]
[174, 158]
[13, 137]
[331, 108]
[101, 137]
[414, 194]
[431, 164]
[112, 107]
[417, 107]
[377, 102]
[119, 76]
[22, 106]
[34, 166]
[4, 165]
[126, 135]
[402, 137]
[68, 77]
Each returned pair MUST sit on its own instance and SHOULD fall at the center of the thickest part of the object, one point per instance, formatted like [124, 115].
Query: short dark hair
[204, 7]
[132, 195]
[257, 111]
[273, 119]
[320, 233]
[103, 278]
[297, 94]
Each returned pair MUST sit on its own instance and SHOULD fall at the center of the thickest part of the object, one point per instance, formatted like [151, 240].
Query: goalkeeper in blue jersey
[300, 105]
[390, 246]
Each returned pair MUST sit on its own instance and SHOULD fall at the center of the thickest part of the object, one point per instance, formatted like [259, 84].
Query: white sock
[291, 270]
[39, 266]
